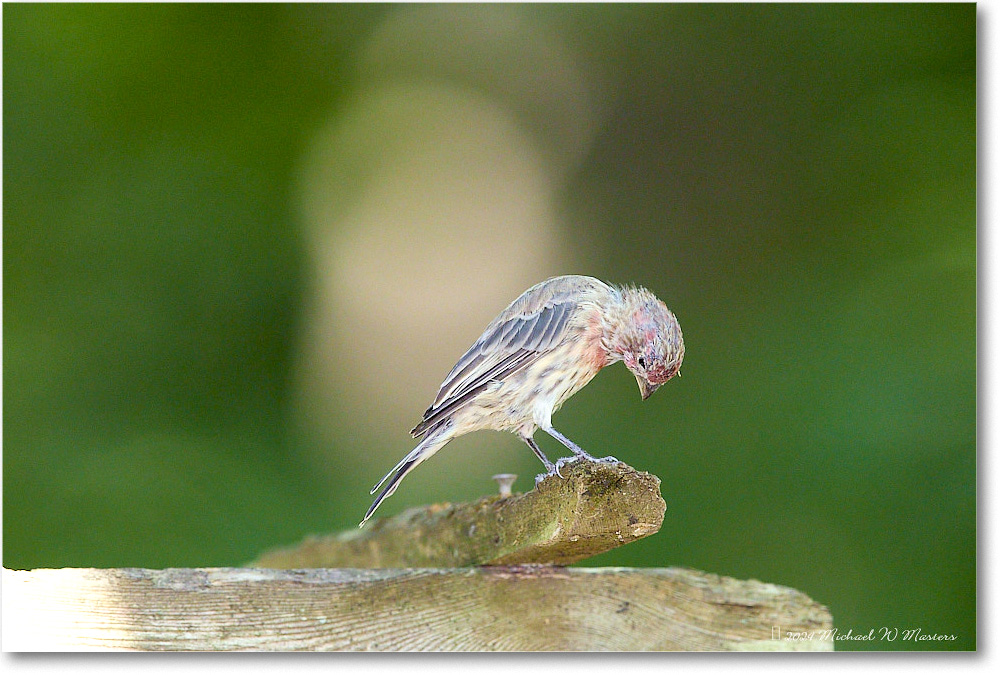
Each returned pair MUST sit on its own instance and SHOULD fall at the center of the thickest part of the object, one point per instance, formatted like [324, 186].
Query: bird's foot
[542, 476]
[563, 461]
[597, 460]
[553, 469]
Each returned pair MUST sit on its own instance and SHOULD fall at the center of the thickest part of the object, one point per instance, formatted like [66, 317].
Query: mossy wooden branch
[593, 508]
[472, 609]
[452, 607]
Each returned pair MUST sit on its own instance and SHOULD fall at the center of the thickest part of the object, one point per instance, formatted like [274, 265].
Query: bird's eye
[642, 362]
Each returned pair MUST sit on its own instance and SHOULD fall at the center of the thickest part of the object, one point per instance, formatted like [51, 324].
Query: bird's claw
[563, 461]
[585, 457]
[553, 469]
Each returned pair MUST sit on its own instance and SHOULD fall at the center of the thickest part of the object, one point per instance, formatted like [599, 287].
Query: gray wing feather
[557, 323]
[530, 325]
[526, 331]
[536, 335]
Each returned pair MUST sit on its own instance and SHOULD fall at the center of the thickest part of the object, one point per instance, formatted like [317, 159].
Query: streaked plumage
[543, 348]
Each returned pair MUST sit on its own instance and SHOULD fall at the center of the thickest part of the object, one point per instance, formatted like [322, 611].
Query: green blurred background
[797, 182]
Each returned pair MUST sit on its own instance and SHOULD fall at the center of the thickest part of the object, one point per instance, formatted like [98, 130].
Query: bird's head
[648, 340]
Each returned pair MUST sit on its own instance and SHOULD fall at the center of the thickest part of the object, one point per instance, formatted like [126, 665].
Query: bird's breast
[553, 378]
[530, 396]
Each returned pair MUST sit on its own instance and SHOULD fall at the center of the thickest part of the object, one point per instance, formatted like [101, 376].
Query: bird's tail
[427, 447]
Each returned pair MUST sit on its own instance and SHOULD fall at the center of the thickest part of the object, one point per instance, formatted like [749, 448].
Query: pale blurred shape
[429, 205]
[510, 54]
[454, 222]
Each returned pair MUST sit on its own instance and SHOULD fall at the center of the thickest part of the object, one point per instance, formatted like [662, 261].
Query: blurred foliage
[798, 182]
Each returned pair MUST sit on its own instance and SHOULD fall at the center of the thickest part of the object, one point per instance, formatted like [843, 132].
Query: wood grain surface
[520, 608]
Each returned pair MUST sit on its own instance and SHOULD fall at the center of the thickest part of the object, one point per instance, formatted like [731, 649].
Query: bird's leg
[550, 468]
[576, 449]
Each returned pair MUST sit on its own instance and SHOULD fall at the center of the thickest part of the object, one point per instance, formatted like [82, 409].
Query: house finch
[540, 351]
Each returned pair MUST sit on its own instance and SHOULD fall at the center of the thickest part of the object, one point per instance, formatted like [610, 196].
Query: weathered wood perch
[505, 606]
[523, 608]
[593, 508]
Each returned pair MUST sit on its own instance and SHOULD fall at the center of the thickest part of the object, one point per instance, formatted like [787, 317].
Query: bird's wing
[530, 325]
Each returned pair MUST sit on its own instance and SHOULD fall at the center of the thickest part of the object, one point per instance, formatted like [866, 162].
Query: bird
[543, 348]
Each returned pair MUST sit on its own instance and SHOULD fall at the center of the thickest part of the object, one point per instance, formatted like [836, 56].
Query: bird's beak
[646, 389]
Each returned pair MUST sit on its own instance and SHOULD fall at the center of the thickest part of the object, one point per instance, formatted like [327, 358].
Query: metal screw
[505, 481]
